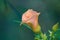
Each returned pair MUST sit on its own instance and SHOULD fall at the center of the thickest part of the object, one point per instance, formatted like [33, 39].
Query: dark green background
[11, 10]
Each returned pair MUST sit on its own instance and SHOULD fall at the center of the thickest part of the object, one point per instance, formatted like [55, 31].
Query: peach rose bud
[30, 17]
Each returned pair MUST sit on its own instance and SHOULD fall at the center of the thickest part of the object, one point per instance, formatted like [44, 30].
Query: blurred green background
[11, 10]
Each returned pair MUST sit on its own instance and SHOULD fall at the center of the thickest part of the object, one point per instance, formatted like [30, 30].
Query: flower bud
[55, 27]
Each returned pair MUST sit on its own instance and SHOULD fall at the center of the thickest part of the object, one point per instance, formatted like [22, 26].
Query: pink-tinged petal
[31, 16]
